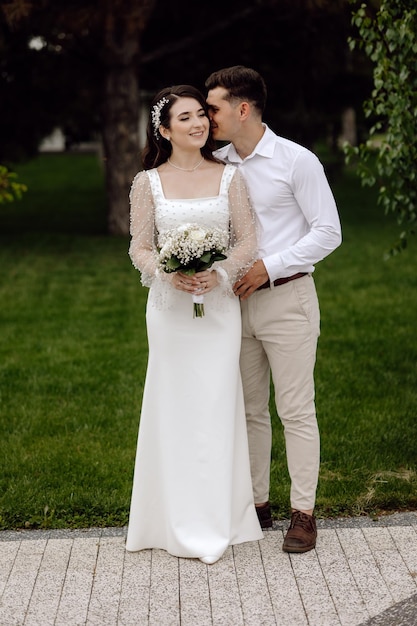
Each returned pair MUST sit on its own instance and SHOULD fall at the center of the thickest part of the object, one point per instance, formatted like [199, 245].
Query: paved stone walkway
[362, 573]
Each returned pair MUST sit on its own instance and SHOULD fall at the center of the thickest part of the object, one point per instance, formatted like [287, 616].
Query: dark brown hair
[158, 149]
[242, 83]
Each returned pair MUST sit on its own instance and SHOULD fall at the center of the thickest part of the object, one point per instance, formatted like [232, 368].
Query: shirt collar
[265, 148]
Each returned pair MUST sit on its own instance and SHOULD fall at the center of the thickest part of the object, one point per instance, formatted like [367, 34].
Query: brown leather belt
[282, 281]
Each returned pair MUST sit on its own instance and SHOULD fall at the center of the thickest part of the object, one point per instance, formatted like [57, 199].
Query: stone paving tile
[17, 593]
[315, 595]
[391, 565]
[358, 574]
[104, 601]
[253, 586]
[134, 595]
[285, 597]
[76, 591]
[45, 598]
[224, 592]
[346, 596]
[164, 605]
[8, 553]
[194, 593]
[401, 614]
[372, 586]
[405, 540]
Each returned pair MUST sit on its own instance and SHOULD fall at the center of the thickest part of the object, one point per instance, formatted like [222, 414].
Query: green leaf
[219, 257]
[206, 257]
[172, 264]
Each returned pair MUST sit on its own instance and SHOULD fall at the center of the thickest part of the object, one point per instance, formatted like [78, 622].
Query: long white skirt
[192, 492]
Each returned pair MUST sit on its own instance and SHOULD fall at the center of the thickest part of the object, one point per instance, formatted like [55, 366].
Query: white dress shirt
[298, 221]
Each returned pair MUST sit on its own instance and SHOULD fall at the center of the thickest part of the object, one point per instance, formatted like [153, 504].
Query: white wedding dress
[192, 492]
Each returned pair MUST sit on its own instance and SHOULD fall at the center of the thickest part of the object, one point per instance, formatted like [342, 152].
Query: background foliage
[388, 158]
[87, 66]
[10, 189]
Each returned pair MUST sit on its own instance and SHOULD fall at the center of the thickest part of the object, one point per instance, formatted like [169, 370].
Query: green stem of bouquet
[198, 309]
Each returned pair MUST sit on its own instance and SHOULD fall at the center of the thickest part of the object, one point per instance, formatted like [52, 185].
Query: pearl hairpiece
[156, 114]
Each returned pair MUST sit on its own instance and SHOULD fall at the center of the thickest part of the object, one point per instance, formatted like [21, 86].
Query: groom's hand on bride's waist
[251, 281]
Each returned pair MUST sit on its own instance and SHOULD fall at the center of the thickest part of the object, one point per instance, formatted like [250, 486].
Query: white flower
[190, 248]
[166, 248]
[197, 235]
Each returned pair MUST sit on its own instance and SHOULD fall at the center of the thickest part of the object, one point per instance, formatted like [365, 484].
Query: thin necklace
[183, 168]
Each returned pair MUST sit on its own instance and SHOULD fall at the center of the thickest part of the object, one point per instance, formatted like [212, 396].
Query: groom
[299, 226]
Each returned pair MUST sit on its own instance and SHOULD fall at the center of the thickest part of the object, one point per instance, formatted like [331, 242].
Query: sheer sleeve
[142, 250]
[241, 254]
[243, 245]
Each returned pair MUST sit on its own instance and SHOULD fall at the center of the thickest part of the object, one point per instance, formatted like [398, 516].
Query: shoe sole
[299, 550]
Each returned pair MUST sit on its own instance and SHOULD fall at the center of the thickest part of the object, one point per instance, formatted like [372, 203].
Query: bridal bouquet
[191, 248]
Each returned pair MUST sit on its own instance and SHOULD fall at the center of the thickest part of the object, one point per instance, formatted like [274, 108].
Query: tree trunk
[123, 25]
[120, 142]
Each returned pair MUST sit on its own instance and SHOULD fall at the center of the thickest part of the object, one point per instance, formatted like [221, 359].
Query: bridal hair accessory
[156, 114]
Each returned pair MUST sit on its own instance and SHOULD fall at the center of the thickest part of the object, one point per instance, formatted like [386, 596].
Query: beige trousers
[281, 326]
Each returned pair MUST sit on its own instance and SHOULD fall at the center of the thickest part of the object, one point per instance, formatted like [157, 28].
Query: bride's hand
[186, 283]
[207, 281]
[199, 283]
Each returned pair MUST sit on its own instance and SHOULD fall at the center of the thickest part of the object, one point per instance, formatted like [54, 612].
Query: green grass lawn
[73, 354]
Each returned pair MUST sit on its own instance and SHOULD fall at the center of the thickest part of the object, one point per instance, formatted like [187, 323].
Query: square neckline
[222, 182]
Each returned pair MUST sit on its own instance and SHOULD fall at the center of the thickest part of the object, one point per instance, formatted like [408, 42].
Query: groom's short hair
[242, 83]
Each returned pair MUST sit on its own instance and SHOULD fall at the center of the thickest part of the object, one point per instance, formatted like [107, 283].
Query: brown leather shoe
[302, 533]
[264, 515]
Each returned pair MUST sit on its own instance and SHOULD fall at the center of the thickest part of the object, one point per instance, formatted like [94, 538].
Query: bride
[192, 492]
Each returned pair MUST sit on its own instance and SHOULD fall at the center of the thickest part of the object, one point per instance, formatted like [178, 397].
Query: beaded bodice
[208, 212]
[152, 214]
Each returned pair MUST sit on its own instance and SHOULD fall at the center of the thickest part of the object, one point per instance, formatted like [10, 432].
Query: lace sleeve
[243, 249]
[142, 250]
